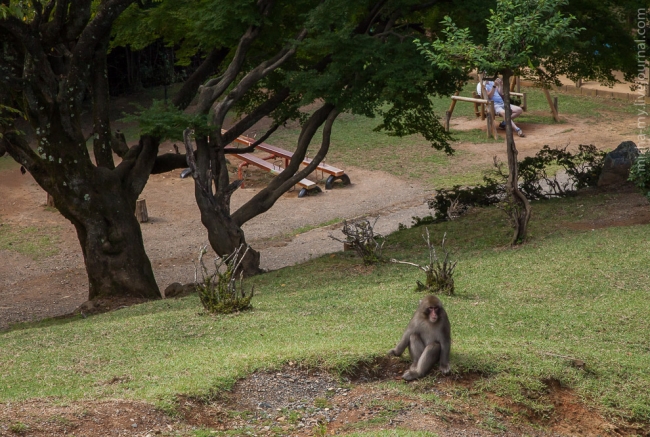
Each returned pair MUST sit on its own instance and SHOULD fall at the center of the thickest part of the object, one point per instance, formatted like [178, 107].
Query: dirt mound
[304, 402]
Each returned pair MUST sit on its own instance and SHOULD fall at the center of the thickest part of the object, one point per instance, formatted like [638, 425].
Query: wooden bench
[277, 152]
[307, 185]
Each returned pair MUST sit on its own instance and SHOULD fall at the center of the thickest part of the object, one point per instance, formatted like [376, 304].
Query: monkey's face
[432, 313]
[430, 307]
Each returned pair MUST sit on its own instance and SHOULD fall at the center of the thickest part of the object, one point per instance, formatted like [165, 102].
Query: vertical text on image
[642, 77]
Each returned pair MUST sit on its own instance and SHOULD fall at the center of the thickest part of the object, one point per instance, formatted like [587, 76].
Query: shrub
[361, 237]
[640, 173]
[221, 292]
[439, 273]
[582, 169]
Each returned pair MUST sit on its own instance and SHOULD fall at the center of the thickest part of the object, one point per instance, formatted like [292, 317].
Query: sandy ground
[33, 289]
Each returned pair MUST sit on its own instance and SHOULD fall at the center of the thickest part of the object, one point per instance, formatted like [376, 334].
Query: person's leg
[501, 112]
[516, 111]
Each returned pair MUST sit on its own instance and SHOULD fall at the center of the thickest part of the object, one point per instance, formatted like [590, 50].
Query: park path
[32, 289]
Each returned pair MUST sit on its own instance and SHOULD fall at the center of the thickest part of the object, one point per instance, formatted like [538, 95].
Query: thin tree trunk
[224, 234]
[519, 207]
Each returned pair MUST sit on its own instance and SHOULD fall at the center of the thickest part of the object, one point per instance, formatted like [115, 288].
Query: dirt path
[50, 286]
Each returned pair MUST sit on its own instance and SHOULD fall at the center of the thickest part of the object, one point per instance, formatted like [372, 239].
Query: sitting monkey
[428, 337]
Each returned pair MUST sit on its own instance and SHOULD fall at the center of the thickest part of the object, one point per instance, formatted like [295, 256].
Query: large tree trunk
[113, 250]
[100, 203]
[224, 234]
[518, 207]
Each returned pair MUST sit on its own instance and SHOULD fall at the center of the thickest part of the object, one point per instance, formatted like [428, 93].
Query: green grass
[576, 293]
[308, 228]
[8, 163]
[30, 241]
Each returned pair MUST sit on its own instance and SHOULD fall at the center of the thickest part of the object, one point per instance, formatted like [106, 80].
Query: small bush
[220, 292]
[439, 273]
[640, 173]
[361, 237]
[582, 170]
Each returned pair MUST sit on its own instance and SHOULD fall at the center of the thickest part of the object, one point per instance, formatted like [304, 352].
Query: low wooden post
[518, 84]
[450, 111]
[493, 116]
[555, 104]
[556, 116]
[477, 111]
[49, 201]
[141, 210]
[524, 102]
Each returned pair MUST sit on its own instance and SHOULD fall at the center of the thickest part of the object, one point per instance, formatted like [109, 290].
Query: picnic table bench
[306, 184]
[277, 152]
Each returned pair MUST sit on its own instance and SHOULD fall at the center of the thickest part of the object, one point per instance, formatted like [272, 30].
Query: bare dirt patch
[297, 401]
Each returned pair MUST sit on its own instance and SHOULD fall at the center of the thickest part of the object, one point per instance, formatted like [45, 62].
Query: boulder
[616, 168]
[177, 289]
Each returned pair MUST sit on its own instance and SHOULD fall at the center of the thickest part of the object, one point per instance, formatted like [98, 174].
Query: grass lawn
[579, 294]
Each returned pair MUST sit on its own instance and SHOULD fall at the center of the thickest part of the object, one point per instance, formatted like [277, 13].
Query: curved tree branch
[252, 77]
[265, 199]
[256, 115]
[209, 66]
[208, 95]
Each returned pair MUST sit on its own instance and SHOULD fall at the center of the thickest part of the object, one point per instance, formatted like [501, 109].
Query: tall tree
[51, 55]
[261, 58]
[534, 39]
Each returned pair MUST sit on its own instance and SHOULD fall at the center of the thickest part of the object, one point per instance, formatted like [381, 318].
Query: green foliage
[166, 121]
[522, 35]
[537, 181]
[449, 204]
[582, 168]
[220, 292]
[640, 173]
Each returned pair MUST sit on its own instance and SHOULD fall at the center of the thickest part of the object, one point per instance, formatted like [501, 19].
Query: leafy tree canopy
[363, 71]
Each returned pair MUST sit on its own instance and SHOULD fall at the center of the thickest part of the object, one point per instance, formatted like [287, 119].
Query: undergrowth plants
[640, 173]
[361, 237]
[537, 180]
[439, 272]
[222, 291]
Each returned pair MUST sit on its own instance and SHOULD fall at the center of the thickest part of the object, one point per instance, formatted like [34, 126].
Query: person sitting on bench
[494, 93]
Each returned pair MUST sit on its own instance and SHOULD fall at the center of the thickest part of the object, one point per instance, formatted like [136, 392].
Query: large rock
[616, 168]
[179, 290]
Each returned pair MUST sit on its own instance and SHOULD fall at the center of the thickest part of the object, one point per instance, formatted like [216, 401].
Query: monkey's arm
[402, 345]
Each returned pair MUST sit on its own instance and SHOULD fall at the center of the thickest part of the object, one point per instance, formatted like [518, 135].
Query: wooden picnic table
[277, 152]
[247, 158]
